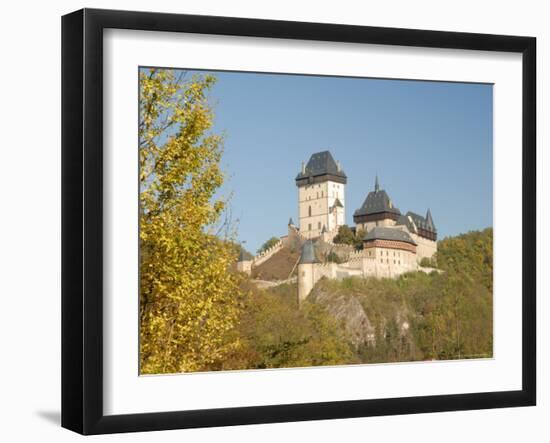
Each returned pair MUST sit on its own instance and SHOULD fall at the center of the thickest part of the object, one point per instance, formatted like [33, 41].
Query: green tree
[345, 236]
[189, 302]
[348, 236]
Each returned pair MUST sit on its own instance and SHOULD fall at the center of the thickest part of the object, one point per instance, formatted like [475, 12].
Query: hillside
[279, 266]
[419, 316]
[415, 317]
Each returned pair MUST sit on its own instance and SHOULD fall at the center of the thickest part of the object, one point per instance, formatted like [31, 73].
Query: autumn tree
[189, 302]
[276, 334]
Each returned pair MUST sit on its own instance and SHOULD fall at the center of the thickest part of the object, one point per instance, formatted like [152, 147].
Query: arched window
[309, 211]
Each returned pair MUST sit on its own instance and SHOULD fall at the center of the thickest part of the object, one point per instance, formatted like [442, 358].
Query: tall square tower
[321, 195]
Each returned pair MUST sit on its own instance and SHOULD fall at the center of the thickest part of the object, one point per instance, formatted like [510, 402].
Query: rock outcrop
[347, 310]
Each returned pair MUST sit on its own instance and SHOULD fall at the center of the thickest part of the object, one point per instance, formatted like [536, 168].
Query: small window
[319, 225]
[309, 227]
[309, 213]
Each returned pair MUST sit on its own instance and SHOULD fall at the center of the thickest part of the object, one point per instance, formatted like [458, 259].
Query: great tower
[321, 195]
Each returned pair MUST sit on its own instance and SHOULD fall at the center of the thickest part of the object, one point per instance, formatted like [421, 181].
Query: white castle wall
[387, 222]
[244, 266]
[425, 247]
[388, 263]
[375, 262]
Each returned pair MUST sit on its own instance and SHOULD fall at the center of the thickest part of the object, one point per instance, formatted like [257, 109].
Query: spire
[290, 222]
[308, 254]
[324, 230]
[429, 220]
[376, 184]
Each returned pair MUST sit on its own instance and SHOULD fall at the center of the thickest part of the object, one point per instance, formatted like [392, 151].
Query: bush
[426, 263]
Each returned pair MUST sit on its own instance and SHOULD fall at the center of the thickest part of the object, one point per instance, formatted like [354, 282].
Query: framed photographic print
[269, 221]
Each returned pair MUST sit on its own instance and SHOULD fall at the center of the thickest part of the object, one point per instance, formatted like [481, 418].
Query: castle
[392, 243]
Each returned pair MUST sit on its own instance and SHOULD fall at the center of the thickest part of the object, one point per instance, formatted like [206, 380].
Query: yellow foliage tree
[189, 301]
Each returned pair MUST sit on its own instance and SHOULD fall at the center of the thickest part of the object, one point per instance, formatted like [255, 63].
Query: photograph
[301, 220]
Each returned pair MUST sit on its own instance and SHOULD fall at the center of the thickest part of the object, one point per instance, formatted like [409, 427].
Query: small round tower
[306, 271]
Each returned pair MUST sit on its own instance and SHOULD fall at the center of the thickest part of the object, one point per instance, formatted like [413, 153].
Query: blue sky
[431, 144]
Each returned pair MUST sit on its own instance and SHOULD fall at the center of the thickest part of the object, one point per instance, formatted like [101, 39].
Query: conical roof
[429, 220]
[308, 254]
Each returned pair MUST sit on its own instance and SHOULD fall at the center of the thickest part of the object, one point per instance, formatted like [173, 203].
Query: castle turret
[321, 197]
[244, 262]
[306, 270]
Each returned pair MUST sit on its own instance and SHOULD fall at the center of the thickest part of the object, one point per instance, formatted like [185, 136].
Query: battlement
[267, 254]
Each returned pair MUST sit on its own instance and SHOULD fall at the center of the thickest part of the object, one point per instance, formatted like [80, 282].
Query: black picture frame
[82, 219]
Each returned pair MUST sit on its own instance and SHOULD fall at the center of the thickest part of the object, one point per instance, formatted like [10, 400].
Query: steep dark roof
[376, 201]
[384, 233]
[290, 222]
[404, 220]
[338, 203]
[319, 164]
[429, 220]
[308, 254]
[423, 223]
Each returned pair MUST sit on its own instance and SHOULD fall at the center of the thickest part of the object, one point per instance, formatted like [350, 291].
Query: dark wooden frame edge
[82, 236]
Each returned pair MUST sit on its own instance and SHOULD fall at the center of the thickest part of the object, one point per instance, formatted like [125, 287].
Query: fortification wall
[425, 247]
[244, 266]
[334, 271]
[267, 254]
[324, 248]
[383, 263]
